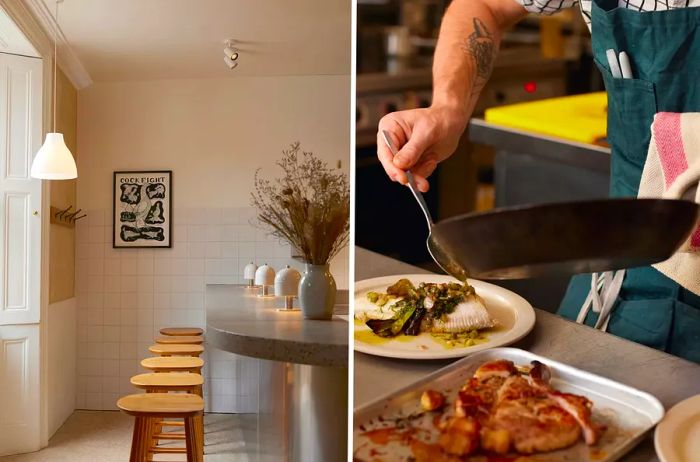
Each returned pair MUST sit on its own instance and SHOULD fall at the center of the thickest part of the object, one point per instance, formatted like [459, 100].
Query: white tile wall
[126, 295]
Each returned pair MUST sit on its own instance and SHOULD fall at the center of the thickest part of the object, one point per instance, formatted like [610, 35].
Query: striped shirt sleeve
[546, 6]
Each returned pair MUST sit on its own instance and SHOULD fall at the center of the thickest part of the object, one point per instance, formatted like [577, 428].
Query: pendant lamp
[54, 160]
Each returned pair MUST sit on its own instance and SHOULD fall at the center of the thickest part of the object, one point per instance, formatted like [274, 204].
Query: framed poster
[142, 209]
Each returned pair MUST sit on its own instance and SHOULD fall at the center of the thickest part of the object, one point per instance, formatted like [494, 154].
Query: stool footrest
[169, 436]
[171, 423]
[166, 450]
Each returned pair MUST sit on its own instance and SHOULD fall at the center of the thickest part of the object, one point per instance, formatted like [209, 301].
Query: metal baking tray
[627, 412]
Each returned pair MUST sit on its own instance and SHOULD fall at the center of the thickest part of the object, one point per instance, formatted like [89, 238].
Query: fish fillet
[468, 315]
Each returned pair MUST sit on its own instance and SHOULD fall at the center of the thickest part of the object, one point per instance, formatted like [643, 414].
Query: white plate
[515, 316]
[677, 437]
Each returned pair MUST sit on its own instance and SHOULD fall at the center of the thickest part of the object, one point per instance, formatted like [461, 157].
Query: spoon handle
[411, 181]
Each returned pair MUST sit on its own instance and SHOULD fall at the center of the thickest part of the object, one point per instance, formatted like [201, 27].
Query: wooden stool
[177, 349]
[178, 331]
[173, 364]
[181, 339]
[174, 381]
[165, 383]
[149, 408]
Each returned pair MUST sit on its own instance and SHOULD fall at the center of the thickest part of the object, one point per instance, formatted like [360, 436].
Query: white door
[20, 253]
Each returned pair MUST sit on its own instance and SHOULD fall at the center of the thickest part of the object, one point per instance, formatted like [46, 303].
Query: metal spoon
[437, 250]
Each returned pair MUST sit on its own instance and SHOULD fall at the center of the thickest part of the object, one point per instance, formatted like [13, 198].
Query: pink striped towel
[675, 145]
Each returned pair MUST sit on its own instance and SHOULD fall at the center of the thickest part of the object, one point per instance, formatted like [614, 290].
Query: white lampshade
[249, 271]
[54, 160]
[287, 282]
[264, 276]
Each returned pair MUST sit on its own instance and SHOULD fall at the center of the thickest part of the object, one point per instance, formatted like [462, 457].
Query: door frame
[32, 29]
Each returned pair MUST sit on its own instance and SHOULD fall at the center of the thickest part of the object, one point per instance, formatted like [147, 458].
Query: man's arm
[470, 35]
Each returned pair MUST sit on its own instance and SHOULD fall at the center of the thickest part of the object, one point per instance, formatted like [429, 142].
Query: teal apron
[664, 49]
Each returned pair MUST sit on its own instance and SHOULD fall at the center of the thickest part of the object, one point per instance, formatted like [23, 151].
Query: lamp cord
[55, 75]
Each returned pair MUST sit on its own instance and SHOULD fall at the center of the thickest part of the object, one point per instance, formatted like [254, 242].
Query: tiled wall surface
[126, 295]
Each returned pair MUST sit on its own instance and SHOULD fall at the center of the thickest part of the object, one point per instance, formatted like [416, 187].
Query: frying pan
[574, 237]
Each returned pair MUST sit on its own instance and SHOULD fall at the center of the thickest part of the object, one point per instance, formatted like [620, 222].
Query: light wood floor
[105, 436]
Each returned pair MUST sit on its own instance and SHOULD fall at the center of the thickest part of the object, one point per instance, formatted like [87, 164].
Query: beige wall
[63, 194]
[212, 133]
[61, 346]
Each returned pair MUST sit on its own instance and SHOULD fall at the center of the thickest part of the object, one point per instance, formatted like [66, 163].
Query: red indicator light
[530, 87]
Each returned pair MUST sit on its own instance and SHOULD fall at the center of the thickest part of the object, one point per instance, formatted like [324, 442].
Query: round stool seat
[181, 339]
[173, 380]
[162, 405]
[173, 363]
[176, 349]
[179, 331]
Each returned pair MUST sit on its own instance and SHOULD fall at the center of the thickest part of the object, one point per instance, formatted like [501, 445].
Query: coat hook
[62, 212]
[81, 216]
[71, 216]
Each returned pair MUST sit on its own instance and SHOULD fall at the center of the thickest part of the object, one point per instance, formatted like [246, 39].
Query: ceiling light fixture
[230, 54]
[54, 160]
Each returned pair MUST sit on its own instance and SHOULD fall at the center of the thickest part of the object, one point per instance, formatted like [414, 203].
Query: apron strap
[606, 285]
[596, 285]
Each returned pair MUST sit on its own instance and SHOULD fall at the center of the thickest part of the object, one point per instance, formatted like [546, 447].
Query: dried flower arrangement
[309, 206]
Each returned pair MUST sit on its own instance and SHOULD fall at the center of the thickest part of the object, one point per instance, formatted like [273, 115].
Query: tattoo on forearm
[481, 47]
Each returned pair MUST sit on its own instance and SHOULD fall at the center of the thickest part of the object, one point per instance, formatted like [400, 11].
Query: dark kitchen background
[541, 57]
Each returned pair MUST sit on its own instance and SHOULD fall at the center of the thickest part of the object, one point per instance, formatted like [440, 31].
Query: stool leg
[198, 391]
[134, 456]
[200, 433]
[148, 443]
[194, 450]
[139, 443]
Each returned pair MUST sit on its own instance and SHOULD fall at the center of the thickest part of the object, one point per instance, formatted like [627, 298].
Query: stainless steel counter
[583, 155]
[667, 377]
[303, 371]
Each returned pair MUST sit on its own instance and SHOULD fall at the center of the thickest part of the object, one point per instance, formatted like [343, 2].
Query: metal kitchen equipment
[575, 237]
[440, 253]
[629, 413]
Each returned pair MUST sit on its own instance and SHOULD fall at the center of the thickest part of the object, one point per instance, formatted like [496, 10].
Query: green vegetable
[413, 325]
[379, 299]
[412, 309]
[394, 326]
[403, 288]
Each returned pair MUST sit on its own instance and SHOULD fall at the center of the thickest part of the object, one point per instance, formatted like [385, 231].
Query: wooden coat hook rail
[65, 217]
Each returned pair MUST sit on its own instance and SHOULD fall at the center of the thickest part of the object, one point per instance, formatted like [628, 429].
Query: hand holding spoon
[436, 250]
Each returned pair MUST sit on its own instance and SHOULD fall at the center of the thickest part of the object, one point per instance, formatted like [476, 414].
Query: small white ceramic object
[677, 437]
[249, 273]
[287, 286]
[264, 278]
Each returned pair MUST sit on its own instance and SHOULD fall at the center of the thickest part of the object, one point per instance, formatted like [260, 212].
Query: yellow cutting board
[580, 118]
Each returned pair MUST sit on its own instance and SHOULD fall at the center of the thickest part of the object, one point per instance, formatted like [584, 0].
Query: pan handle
[683, 182]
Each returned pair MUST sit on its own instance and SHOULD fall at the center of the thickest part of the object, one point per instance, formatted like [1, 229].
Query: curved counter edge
[313, 354]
